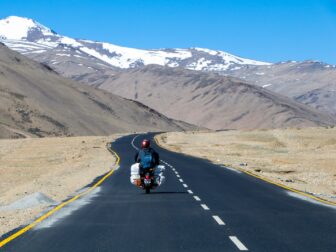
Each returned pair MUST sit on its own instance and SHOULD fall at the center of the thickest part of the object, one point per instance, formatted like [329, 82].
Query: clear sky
[267, 30]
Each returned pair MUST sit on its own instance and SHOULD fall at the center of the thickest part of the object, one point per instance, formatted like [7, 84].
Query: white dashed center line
[218, 220]
[205, 207]
[197, 198]
[238, 243]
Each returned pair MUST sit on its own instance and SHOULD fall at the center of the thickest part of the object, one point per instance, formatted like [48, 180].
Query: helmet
[145, 144]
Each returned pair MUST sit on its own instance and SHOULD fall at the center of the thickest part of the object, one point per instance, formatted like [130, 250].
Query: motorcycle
[149, 179]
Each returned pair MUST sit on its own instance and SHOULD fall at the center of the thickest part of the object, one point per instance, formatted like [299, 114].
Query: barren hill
[308, 82]
[211, 100]
[35, 101]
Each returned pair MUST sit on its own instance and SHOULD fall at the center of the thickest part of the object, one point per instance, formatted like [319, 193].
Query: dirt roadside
[303, 159]
[52, 167]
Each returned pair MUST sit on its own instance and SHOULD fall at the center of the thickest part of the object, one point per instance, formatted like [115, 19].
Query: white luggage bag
[135, 174]
[158, 173]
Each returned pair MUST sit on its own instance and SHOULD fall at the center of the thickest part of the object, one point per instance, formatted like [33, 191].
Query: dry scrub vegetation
[56, 167]
[304, 159]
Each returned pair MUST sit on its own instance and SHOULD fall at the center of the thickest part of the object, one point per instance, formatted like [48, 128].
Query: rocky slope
[309, 82]
[35, 101]
[211, 100]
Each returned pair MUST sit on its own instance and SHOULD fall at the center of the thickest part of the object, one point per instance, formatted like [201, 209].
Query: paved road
[202, 207]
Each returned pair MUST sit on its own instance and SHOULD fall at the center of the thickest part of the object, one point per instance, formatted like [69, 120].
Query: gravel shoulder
[50, 168]
[303, 159]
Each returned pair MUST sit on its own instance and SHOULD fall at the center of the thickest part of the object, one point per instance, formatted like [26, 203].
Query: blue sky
[267, 30]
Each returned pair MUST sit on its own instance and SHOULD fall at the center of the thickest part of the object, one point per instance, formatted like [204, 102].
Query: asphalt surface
[223, 211]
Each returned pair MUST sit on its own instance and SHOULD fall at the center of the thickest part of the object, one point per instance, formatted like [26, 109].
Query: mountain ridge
[97, 64]
[118, 56]
[212, 101]
[35, 101]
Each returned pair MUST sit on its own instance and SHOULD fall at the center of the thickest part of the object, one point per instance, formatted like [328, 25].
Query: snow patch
[219, 67]
[235, 68]
[201, 64]
[100, 64]
[70, 42]
[173, 64]
[63, 54]
[211, 52]
[14, 27]
[126, 57]
[38, 51]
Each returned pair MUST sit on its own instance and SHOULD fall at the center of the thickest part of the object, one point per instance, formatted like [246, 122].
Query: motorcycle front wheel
[147, 190]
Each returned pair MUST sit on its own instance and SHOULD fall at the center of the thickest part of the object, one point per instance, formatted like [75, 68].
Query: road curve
[202, 207]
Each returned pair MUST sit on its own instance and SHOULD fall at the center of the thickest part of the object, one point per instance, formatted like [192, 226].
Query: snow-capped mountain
[39, 42]
[101, 65]
[23, 28]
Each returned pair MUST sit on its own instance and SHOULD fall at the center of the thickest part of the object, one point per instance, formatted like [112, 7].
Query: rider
[147, 156]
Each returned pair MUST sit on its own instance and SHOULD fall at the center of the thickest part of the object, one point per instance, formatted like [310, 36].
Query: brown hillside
[211, 100]
[35, 101]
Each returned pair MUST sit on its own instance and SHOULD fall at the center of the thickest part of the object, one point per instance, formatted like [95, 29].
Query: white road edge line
[238, 243]
[181, 180]
[185, 185]
[232, 169]
[197, 198]
[205, 207]
[178, 176]
[132, 143]
[190, 192]
[218, 220]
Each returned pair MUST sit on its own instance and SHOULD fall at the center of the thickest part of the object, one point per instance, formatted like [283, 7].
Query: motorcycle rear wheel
[147, 190]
